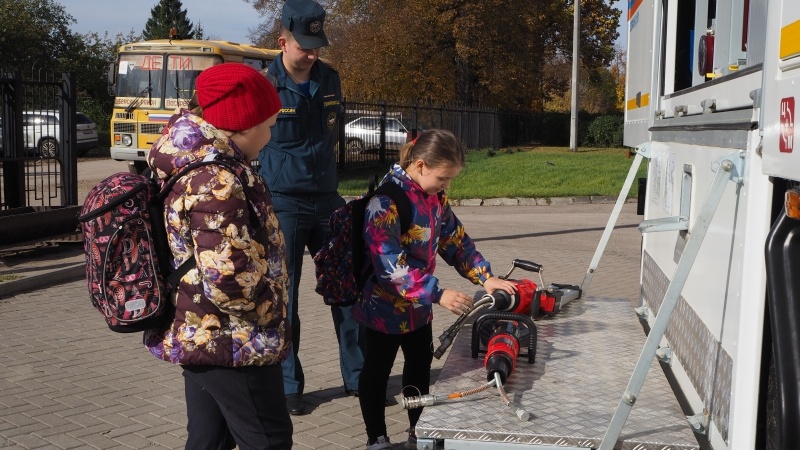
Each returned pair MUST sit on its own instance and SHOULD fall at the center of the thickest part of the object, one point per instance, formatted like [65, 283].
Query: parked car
[413, 132]
[364, 134]
[42, 133]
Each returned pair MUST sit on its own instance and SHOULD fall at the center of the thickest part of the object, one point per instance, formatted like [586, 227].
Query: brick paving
[67, 382]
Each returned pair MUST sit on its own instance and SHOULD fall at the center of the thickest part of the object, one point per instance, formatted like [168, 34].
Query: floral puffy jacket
[231, 309]
[399, 295]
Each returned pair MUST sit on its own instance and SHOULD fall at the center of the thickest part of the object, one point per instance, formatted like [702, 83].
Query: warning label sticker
[786, 140]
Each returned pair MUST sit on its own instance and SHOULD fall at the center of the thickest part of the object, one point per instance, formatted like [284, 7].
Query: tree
[34, 35]
[168, 14]
[498, 53]
[89, 59]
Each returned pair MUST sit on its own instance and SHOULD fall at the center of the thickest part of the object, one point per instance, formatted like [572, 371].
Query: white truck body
[738, 104]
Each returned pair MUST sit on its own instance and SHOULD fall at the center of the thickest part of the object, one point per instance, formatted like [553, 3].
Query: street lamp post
[576, 34]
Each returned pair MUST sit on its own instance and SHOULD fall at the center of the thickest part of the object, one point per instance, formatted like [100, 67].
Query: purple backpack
[128, 261]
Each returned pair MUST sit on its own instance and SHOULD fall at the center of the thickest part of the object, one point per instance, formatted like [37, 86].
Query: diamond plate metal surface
[585, 356]
[707, 364]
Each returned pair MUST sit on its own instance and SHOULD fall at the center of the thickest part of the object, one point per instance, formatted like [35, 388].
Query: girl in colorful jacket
[229, 331]
[397, 307]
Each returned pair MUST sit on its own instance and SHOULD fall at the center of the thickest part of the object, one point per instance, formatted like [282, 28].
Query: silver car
[42, 132]
[364, 134]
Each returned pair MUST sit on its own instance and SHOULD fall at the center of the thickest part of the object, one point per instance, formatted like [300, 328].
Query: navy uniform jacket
[300, 158]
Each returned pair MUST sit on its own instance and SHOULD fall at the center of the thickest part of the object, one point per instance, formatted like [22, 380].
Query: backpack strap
[401, 201]
[372, 183]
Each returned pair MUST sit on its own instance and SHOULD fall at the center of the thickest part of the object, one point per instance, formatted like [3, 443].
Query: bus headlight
[127, 140]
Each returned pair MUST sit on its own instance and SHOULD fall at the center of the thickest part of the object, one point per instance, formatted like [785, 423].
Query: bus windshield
[158, 81]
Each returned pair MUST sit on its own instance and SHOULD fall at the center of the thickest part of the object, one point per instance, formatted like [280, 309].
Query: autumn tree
[618, 74]
[487, 52]
[168, 14]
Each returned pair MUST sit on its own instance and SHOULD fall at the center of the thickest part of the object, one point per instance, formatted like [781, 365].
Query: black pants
[246, 404]
[381, 350]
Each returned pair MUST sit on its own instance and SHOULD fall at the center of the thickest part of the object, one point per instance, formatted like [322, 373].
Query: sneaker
[382, 443]
[411, 443]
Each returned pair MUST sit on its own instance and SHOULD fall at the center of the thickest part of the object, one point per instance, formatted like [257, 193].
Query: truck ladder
[730, 168]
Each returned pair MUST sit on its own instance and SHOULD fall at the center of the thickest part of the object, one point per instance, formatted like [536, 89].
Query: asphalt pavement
[66, 381]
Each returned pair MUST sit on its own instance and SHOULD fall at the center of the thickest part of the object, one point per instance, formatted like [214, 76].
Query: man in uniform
[299, 167]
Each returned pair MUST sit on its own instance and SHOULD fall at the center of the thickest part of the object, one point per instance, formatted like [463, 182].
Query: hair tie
[414, 142]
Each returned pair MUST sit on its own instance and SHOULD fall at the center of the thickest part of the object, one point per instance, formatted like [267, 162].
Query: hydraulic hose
[430, 399]
[518, 411]
[446, 338]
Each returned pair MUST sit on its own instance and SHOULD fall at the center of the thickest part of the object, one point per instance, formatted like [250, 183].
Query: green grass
[525, 172]
[516, 172]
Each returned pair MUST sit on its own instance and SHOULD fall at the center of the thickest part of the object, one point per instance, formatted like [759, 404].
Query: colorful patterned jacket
[231, 309]
[399, 295]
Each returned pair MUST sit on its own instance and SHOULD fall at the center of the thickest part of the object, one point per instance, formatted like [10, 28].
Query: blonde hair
[436, 148]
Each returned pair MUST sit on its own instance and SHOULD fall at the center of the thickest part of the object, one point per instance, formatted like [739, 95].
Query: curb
[43, 280]
[530, 201]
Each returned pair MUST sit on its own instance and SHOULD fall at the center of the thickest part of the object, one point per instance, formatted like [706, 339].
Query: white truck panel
[782, 91]
[639, 88]
[713, 307]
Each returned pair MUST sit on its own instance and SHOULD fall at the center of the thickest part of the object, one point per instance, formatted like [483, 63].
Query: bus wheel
[137, 166]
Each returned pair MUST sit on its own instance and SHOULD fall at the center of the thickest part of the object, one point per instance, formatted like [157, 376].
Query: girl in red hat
[229, 329]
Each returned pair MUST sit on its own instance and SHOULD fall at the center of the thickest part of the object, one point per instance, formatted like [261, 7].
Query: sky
[232, 23]
[228, 20]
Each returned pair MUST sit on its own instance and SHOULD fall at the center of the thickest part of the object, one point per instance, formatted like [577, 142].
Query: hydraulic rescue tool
[529, 302]
[506, 319]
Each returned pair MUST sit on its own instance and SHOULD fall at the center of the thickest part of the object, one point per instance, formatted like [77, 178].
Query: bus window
[182, 72]
[258, 64]
[140, 80]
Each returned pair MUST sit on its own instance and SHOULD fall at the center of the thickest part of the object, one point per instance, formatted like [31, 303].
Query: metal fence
[372, 133]
[38, 158]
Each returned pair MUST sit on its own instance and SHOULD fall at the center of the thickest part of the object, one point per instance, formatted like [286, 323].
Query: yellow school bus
[150, 79]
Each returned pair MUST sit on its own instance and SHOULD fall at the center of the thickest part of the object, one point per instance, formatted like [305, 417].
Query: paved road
[67, 382]
[92, 171]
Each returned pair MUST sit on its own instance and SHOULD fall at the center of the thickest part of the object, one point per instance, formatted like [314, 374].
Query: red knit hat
[236, 97]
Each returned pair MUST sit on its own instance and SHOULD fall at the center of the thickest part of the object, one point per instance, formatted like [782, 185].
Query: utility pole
[576, 39]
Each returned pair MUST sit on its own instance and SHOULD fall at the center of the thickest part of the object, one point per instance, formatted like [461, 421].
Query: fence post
[478, 127]
[342, 144]
[382, 150]
[14, 170]
[414, 125]
[493, 138]
[69, 158]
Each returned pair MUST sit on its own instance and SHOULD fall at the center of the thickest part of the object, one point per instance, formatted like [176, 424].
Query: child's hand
[457, 302]
[494, 283]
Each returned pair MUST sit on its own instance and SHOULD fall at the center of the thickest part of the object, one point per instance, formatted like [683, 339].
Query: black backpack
[342, 267]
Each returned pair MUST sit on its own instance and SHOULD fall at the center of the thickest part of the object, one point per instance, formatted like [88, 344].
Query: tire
[48, 148]
[138, 167]
[355, 146]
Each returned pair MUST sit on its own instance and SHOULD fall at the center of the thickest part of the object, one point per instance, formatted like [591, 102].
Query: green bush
[555, 129]
[606, 131]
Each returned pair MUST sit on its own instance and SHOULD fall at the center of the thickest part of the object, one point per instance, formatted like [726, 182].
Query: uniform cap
[304, 19]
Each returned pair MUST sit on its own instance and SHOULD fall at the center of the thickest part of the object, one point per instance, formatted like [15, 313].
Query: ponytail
[436, 148]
